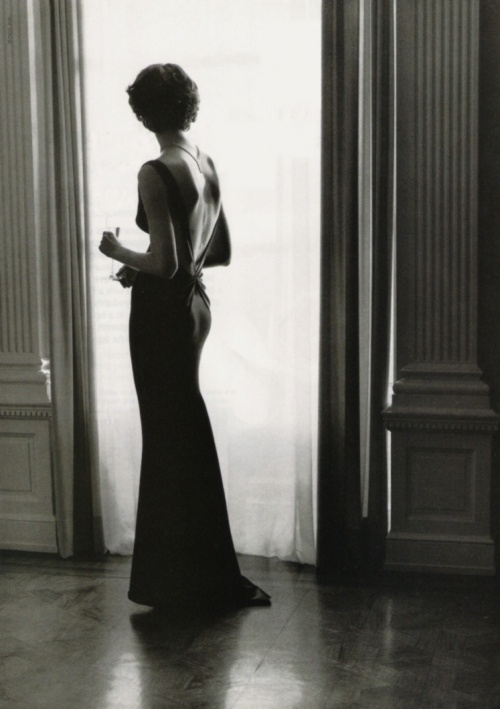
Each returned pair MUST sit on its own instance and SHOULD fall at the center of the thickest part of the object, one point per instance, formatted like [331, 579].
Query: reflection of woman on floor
[183, 554]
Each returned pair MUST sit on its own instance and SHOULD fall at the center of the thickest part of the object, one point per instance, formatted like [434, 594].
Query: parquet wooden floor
[70, 639]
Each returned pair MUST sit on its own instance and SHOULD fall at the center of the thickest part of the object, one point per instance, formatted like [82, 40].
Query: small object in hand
[126, 276]
[110, 233]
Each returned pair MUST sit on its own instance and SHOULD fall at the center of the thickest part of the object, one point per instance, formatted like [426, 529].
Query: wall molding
[406, 424]
[26, 412]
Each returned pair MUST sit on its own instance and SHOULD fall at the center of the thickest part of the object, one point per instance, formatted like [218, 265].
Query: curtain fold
[354, 358]
[74, 447]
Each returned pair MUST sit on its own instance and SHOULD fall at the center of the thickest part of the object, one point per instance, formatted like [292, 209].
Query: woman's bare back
[196, 177]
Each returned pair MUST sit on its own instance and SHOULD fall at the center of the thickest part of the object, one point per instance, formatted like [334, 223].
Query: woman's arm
[219, 251]
[161, 260]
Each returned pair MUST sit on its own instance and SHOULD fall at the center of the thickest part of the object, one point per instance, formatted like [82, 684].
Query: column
[440, 417]
[26, 514]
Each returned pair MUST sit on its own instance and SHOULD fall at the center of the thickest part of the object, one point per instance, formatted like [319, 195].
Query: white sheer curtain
[257, 65]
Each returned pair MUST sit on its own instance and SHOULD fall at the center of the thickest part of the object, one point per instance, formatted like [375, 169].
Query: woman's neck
[171, 137]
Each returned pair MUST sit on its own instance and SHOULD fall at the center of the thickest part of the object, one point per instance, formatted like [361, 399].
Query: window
[258, 67]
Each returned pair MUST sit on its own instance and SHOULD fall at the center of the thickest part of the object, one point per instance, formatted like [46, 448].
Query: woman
[183, 553]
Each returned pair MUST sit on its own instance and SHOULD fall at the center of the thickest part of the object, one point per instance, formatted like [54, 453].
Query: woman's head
[164, 98]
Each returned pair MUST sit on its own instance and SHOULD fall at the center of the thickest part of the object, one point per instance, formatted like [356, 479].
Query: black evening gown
[183, 553]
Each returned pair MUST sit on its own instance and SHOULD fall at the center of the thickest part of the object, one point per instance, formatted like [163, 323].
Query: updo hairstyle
[164, 98]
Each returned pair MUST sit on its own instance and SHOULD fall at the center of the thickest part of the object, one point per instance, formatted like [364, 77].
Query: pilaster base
[30, 534]
[22, 381]
[27, 520]
[440, 554]
[441, 430]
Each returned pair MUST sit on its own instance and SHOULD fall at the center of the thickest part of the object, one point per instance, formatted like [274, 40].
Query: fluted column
[20, 324]
[446, 127]
[440, 417]
[26, 516]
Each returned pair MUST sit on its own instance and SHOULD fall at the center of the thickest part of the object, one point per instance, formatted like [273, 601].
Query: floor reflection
[125, 683]
[189, 661]
[70, 639]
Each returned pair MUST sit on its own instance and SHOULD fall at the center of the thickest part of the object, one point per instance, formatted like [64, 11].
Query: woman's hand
[109, 246]
[126, 276]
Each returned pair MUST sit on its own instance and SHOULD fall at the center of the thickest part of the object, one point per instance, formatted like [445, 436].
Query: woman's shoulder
[149, 173]
[207, 162]
[156, 179]
[148, 170]
[176, 171]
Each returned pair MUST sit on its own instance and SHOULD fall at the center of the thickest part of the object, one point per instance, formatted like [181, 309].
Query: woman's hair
[164, 98]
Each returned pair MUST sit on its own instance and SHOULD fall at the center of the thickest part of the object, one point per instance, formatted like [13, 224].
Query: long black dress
[183, 554]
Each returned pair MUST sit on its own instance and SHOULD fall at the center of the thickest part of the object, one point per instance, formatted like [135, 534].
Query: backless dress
[183, 552]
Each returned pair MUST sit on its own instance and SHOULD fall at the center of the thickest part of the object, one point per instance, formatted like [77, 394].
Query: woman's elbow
[226, 257]
[217, 260]
[167, 268]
